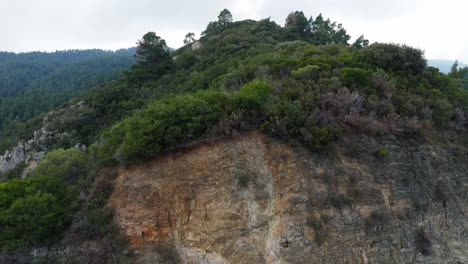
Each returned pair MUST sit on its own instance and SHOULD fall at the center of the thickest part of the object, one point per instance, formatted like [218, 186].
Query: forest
[36, 82]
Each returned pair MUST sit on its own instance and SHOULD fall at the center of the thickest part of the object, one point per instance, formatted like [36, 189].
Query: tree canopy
[152, 59]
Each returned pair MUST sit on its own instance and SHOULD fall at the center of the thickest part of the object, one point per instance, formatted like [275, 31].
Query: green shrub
[161, 126]
[355, 77]
[33, 211]
[396, 58]
[309, 72]
[69, 165]
[252, 95]
[442, 111]
[317, 138]
[382, 153]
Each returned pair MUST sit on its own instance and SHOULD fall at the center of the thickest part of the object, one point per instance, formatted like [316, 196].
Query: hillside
[255, 143]
[36, 82]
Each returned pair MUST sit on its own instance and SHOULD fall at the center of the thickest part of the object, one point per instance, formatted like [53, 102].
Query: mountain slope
[33, 83]
[318, 144]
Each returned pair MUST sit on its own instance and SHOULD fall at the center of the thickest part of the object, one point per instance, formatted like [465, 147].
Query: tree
[361, 42]
[327, 32]
[189, 38]
[152, 59]
[37, 218]
[454, 69]
[150, 49]
[298, 22]
[224, 18]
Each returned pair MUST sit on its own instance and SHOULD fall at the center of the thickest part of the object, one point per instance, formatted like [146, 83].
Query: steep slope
[254, 199]
[346, 153]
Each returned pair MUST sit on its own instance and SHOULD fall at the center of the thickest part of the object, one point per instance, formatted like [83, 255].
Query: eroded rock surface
[32, 151]
[253, 199]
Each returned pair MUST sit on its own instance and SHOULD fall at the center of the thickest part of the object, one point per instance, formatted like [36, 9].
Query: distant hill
[35, 82]
[444, 65]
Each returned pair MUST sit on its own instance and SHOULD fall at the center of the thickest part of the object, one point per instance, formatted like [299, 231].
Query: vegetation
[33, 211]
[33, 83]
[382, 153]
[302, 83]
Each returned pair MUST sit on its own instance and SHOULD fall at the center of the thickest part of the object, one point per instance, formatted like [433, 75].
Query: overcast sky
[438, 27]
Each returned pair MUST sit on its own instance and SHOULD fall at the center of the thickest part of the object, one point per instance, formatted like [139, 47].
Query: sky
[438, 27]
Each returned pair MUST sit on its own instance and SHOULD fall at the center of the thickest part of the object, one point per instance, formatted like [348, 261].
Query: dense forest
[36, 82]
[302, 82]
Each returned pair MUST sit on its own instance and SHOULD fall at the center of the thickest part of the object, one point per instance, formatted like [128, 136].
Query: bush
[378, 220]
[309, 72]
[69, 165]
[36, 218]
[243, 180]
[396, 58]
[354, 77]
[33, 211]
[382, 153]
[161, 126]
[423, 242]
[317, 138]
[252, 96]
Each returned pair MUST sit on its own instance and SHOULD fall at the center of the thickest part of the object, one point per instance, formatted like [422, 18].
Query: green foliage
[225, 18]
[361, 42]
[69, 165]
[382, 153]
[318, 137]
[162, 125]
[152, 59]
[33, 211]
[318, 31]
[396, 58]
[31, 219]
[327, 32]
[355, 77]
[252, 96]
[309, 72]
[33, 83]
[302, 83]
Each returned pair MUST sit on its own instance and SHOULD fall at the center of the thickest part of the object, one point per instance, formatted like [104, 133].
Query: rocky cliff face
[253, 199]
[30, 152]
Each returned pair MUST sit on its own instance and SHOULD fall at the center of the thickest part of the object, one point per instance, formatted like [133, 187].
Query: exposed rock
[196, 46]
[32, 151]
[253, 199]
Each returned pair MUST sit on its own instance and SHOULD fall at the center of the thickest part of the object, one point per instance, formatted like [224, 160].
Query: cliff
[254, 199]
[30, 152]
